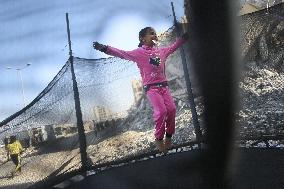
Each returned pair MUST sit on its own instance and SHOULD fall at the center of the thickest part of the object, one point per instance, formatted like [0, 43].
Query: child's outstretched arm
[178, 43]
[127, 55]
[185, 36]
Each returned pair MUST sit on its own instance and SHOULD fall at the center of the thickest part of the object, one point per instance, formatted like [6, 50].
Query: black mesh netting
[117, 116]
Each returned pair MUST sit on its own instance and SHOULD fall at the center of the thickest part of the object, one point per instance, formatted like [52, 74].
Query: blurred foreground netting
[116, 114]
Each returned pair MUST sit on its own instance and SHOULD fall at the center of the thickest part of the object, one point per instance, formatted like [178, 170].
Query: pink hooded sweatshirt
[150, 73]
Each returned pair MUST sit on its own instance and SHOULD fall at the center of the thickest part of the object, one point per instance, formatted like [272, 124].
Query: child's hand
[185, 36]
[99, 46]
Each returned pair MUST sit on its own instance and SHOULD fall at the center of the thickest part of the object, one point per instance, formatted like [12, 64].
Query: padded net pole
[188, 85]
[80, 126]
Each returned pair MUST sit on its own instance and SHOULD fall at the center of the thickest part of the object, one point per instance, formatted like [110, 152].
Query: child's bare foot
[167, 143]
[160, 145]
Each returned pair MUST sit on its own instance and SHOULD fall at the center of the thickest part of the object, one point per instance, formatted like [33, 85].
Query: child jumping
[151, 63]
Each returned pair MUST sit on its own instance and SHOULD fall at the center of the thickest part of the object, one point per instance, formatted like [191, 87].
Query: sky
[34, 32]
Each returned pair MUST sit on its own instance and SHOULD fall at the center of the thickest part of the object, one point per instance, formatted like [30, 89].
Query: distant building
[249, 8]
[137, 89]
[265, 3]
[101, 113]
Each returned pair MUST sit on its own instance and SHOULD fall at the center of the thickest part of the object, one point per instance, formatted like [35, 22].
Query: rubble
[261, 90]
[262, 79]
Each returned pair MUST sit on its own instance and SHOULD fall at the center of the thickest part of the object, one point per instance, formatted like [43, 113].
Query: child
[151, 62]
[14, 150]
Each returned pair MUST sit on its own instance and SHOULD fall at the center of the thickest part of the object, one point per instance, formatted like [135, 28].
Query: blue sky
[34, 31]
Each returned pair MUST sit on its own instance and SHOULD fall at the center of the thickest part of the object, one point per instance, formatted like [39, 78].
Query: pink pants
[164, 111]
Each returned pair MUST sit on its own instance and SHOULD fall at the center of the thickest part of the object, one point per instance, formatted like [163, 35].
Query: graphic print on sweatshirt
[155, 61]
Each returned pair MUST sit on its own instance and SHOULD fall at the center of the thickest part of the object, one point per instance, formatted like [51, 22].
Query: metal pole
[267, 7]
[80, 126]
[188, 85]
[19, 75]
[22, 85]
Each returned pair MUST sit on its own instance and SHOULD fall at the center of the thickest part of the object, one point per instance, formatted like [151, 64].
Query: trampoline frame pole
[80, 125]
[188, 85]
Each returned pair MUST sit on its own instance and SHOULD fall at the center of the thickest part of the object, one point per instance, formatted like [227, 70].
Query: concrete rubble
[261, 89]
